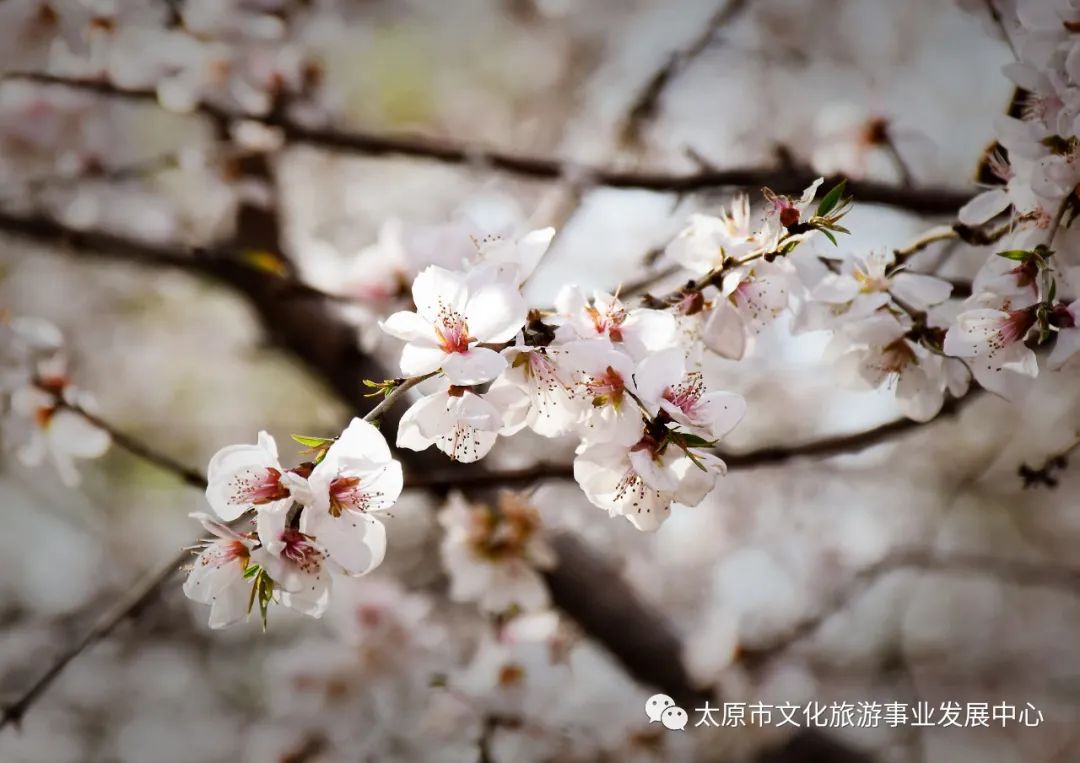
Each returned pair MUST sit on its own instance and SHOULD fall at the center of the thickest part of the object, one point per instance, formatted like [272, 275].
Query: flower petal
[495, 313]
[476, 366]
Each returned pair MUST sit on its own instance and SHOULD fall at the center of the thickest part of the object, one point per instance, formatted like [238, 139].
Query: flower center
[234, 550]
[259, 488]
[869, 283]
[347, 494]
[503, 534]
[511, 674]
[789, 215]
[686, 394]
[609, 322]
[301, 551]
[607, 388]
[452, 331]
[897, 356]
[1014, 328]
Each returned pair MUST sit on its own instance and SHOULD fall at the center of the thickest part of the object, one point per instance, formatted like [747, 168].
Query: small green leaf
[1053, 291]
[692, 440]
[832, 198]
[830, 236]
[1019, 255]
[310, 441]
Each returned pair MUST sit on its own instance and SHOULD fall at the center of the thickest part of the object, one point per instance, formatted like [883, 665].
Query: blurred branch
[841, 444]
[645, 106]
[929, 200]
[128, 605]
[135, 170]
[138, 448]
[1049, 472]
[825, 447]
[1014, 572]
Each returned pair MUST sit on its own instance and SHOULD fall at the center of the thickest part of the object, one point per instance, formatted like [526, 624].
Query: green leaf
[692, 440]
[310, 441]
[829, 235]
[1019, 255]
[1053, 291]
[832, 198]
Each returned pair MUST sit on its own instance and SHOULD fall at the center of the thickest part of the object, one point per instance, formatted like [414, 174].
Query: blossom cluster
[311, 520]
[42, 410]
[526, 689]
[627, 381]
[1017, 299]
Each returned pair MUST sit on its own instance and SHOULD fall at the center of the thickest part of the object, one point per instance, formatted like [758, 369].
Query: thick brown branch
[942, 201]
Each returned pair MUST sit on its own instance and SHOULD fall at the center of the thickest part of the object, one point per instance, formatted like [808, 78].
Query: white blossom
[453, 318]
[355, 479]
[461, 423]
[217, 574]
[494, 553]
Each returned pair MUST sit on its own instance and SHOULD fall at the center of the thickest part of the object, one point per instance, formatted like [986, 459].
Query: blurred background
[162, 162]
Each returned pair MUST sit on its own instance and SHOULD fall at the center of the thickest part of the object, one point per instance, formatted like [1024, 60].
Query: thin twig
[137, 596]
[137, 169]
[399, 389]
[1015, 572]
[137, 448]
[645, 105]
[840, 444]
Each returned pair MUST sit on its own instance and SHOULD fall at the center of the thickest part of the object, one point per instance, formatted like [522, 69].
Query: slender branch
[135, 170]
[141, 593]
[957, 231]
[840, 444]
[403, 386]
[646, 282]
[1015, 572]
[929, 200]
[825, 447]
[645, 105]
[138, 595]
[137, 448]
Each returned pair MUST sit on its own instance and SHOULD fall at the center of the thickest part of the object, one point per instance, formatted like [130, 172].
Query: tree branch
[137, 448]
[645, 106]
[929, 200]
[839, 445]
[1015, 572]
